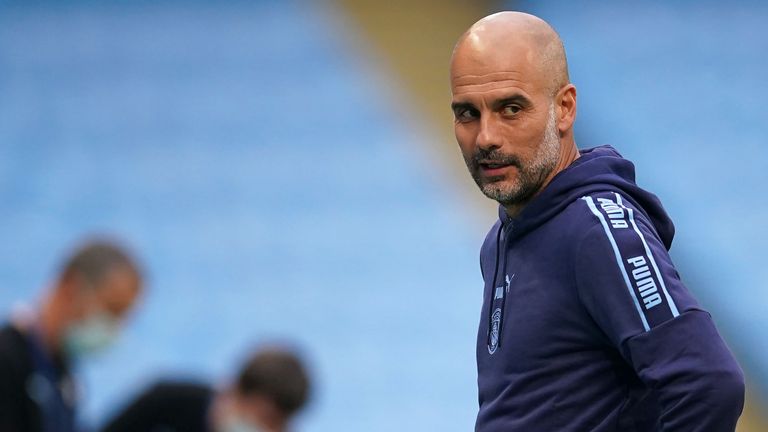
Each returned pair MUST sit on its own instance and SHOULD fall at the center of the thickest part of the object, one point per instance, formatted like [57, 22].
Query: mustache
[495, 157]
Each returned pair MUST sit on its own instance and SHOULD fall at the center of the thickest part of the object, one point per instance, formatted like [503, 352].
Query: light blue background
[272, 184]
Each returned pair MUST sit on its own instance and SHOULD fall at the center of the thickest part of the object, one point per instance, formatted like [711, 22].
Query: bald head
[513, 106]
[507, 41]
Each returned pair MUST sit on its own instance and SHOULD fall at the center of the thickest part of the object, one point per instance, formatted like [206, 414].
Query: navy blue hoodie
[586, 325]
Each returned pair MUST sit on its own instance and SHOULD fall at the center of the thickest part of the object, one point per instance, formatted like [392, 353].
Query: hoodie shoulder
[599, 211]
[618, 211]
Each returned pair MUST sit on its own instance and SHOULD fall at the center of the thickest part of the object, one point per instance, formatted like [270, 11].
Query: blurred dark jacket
[37, 393]
[167, 407]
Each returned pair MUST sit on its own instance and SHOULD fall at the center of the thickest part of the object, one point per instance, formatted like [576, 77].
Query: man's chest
[532, 314]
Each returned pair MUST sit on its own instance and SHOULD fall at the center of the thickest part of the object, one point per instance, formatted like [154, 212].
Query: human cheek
[465, 139]
[518, 138]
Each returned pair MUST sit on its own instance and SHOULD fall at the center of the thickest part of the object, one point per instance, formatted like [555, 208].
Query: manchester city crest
[495, 323]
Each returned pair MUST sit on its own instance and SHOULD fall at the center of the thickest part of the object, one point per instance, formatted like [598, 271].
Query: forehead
[479, 68]
[469, 85]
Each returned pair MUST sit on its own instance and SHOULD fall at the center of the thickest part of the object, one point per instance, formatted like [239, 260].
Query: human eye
[511, 109]
[466, 114]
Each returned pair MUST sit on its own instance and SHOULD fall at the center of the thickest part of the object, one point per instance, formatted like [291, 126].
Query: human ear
[566, 104]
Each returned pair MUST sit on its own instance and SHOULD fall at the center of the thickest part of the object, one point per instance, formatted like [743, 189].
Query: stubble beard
[530, 176]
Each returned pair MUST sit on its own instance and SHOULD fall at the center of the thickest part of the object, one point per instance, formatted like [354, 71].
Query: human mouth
[494, 169]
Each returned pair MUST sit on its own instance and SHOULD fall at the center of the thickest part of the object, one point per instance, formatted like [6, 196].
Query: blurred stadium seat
[255, 158]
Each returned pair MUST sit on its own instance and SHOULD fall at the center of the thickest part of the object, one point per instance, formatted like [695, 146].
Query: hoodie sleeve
[628, 284]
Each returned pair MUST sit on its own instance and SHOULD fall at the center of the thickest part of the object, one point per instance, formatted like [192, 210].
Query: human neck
[50, 323]
[274, 423]
[267, 418]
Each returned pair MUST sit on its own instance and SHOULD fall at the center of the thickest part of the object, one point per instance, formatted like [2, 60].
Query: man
[271, 388]
[81, 313]
[585, 325]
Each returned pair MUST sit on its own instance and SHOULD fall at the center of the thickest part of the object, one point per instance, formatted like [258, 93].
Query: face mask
[235, 424]
[91, 335]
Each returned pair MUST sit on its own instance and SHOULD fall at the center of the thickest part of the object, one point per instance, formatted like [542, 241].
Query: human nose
[488, 137]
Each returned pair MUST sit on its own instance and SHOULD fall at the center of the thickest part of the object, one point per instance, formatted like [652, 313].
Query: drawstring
[504, 291]
[492, 296]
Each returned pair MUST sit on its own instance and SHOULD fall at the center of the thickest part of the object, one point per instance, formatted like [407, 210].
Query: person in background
[270, 389]
[80, 314]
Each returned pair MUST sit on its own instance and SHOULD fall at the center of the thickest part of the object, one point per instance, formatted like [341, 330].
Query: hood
[599, 169]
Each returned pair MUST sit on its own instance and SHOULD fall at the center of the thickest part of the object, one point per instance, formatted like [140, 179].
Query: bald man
[585, 324]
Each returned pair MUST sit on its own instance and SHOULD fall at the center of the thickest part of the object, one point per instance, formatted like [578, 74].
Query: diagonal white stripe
[599, 215]
[670, 302]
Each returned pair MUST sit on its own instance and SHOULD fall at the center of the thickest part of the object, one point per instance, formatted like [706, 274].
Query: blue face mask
[93, 334]
[234, 423]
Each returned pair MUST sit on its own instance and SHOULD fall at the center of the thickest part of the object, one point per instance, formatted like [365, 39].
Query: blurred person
[80, 314]
[271, 388]
[585, 323]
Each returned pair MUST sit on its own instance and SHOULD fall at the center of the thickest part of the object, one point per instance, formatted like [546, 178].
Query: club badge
[495, 324]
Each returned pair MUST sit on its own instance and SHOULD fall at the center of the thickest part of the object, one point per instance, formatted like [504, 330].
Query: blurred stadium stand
[285, 174]
[254, 157]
